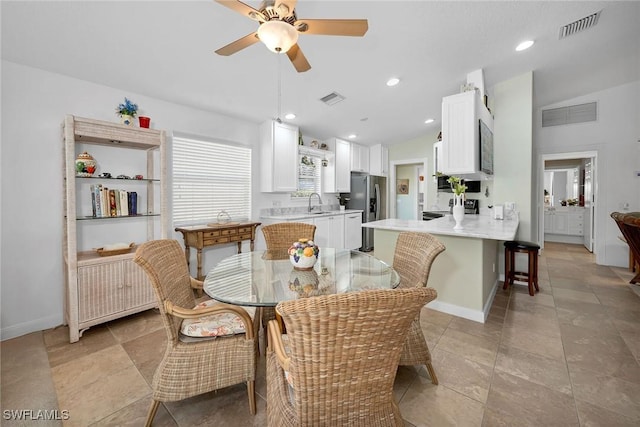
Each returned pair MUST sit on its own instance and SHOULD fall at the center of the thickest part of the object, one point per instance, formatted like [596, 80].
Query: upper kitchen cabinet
[337, 178]
[359, 158]
[378, 160]
[467, 138]
[278, 156]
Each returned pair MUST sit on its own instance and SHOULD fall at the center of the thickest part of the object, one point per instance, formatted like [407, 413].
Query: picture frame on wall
[402, 186]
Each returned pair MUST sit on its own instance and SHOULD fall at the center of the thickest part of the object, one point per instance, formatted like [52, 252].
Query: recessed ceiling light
[524, 45]
[429, 121]
[352, 136]
[290, 116]
[393, 81]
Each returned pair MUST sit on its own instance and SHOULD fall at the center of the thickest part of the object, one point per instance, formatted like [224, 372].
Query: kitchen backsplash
[290, 210]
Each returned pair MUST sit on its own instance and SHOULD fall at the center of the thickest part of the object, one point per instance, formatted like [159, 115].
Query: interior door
[589, 203]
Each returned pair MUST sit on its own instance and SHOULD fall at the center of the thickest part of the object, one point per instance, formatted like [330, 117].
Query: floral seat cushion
[215, 325]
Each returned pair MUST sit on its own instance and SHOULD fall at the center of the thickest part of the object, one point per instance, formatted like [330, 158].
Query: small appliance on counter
[498, 212]
[470, 206]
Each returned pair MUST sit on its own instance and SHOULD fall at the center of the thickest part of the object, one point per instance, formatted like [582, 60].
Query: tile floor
[568, 357]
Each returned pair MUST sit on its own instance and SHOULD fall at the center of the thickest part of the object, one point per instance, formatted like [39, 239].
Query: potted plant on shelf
[127, 111]
[458, 204]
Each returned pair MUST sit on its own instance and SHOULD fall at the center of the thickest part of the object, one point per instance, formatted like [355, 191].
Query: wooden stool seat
[531, 276]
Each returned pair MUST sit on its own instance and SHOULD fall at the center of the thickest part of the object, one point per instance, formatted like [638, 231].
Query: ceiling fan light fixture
[278, 36]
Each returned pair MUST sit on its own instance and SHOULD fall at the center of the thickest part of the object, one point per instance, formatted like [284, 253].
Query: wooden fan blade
[290, 4]
[298, 59]
[243, 9]
[333, 27]
[239, 44]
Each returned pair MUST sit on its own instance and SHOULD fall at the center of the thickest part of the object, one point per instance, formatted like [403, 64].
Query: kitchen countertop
[306, 215]
[474, 226]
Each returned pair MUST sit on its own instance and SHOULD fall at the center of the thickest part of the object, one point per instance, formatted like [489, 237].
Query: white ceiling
[165, 49]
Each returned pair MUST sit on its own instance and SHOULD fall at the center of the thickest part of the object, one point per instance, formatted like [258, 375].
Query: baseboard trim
[25, 328]
[479, 316]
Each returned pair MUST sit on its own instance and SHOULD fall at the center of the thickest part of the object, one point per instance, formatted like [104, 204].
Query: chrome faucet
[319, 200]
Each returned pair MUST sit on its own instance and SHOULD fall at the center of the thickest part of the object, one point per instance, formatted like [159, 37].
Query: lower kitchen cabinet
[330, 231]
[353, 231]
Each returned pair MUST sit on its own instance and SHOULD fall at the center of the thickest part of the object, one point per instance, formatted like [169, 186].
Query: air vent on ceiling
[579, 25]
[572, 114]
[332, 99]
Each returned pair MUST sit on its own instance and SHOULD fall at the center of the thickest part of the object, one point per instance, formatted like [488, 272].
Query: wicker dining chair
[629, 225]
[195, 365]
[339, 362]
[412, 259]
[280, 236]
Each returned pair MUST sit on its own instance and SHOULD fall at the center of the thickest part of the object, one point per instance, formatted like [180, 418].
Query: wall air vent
[579, 25]
[332, 99]
[572, 114]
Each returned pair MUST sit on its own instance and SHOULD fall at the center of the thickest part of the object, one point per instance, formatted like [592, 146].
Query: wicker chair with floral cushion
[209, 345]
[629, 225]
[280, 236]
[337, 364]
[412, 259]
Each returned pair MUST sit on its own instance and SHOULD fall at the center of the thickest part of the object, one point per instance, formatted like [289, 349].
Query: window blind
[209, 177]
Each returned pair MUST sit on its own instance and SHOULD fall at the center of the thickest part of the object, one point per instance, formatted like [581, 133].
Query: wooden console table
[202, 236]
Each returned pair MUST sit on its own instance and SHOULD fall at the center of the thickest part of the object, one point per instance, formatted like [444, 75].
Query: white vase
[126, 119]
[458, 211]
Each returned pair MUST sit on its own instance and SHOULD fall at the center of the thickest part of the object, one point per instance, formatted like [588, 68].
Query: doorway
[406, 203]
[567, 202]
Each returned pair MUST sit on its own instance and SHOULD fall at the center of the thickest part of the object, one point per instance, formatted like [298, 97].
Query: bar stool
[531, 276]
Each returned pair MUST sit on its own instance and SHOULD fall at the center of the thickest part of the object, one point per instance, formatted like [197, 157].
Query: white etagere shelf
[103, 288]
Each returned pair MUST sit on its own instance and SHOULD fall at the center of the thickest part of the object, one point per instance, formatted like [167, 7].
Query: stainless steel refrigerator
[369, 194]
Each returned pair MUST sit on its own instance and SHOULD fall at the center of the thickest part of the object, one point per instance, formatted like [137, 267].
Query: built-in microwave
[445, 187]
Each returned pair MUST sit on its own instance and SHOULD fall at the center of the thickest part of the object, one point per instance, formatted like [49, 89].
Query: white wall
[31, 176]
[513, 148]
[614, 136]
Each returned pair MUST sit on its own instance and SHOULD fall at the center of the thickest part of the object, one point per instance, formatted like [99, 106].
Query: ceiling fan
[279, 29]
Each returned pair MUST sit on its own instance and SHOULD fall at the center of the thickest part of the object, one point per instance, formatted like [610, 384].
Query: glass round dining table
[265, 278]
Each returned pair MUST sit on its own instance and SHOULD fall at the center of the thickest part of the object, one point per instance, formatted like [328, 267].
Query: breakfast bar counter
[466, 273]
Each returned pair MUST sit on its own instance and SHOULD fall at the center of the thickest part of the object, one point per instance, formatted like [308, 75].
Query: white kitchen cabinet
[343, 163]
[378, 160]
[461, 133]
[330, 231]
[337, 176]
[279, 157]
[359, 158]
[353, 230]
